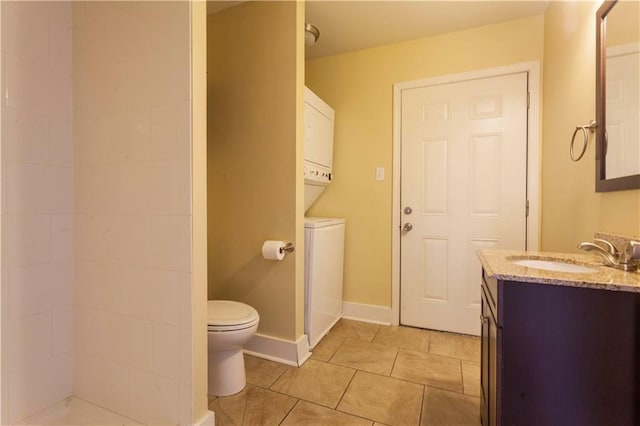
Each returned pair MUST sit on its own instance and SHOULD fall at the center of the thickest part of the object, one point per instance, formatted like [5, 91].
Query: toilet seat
[227, 315]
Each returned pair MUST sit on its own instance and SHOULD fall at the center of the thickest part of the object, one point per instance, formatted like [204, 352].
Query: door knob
[407, 227]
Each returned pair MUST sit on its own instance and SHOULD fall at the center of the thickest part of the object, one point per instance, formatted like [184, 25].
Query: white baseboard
[208, 419]
[279, 350]
[367, 313]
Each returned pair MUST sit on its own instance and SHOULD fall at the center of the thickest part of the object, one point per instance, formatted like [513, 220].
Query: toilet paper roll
[272, 250]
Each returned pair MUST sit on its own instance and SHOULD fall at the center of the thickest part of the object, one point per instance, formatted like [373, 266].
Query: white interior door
[464, 171]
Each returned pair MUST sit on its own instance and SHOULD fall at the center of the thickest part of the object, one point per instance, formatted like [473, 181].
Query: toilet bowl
[230, 325]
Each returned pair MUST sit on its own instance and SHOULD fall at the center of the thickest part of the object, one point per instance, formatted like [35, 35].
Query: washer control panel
[317, 173]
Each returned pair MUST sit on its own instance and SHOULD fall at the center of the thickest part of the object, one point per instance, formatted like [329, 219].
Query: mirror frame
[602, 183]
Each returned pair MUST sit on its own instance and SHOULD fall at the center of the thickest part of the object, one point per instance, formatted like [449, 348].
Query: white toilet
[229, 326]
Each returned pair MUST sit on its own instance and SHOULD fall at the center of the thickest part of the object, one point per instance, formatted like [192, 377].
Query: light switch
[379, 174]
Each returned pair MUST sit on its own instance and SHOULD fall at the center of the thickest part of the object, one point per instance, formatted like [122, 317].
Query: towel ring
[586, 129]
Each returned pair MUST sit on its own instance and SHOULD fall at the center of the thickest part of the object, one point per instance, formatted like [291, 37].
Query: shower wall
[131, 98]
[37, 206]
[96, 208]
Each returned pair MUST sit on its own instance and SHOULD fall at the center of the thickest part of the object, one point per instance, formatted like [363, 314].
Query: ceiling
[348, 25]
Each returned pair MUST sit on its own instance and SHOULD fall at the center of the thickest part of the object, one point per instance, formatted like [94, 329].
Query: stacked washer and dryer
[323, 237]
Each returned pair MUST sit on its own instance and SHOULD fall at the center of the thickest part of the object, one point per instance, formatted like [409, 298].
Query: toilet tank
[318, 146]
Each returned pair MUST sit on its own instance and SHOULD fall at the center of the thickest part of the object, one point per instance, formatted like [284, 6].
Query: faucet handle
[631, 251]
[607, 245]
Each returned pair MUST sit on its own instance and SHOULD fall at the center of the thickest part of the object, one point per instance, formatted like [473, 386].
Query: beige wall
[359, 86]
[571, 209]
[253, 95]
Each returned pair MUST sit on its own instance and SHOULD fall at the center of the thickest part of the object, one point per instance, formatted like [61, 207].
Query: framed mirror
[618, 96]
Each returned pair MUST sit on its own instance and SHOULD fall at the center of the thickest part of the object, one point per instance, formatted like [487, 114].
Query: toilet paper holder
[288, 248]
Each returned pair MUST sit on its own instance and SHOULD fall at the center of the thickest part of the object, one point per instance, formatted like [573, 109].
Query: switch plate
[379, 174]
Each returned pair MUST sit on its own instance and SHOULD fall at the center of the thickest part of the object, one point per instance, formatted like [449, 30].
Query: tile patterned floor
[364, 374]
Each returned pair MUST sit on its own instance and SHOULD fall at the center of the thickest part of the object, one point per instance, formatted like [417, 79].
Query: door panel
[463, 148]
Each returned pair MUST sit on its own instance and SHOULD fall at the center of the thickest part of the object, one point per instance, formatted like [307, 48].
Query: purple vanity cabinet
[559, 355]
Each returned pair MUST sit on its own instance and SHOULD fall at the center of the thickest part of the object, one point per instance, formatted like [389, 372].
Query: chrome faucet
[626, 260]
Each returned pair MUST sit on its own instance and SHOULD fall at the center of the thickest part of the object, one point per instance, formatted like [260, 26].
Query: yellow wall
[571, 209]
[254, 81]
[300, 71]
[359, 86]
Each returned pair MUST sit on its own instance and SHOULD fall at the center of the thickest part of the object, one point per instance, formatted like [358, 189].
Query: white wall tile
[40, 386]
[134, 136]
[91, 331]
[61, 142]
[27, 188]
[24, 30]
[29, 341]
[171, 79]
[185, 358]
[24, 137]
[171, 242]
[100, 189]
[39, 288]
[102, 91]
[132, 205]
[130, 340]
[25, 84]
[62, 337]
[60, 190]
[95, 285]
[93, 237]
[38, 185]
[59, 36]
[28, 239]
[186, 404]
[62, 237]
[171, 19]
[131, 242]
[153, 399]
[170, 128]
[33, 188]
[133, 291]
[103, 382]
[57, 98]
[169, 296]
[165, 350]
[93, 140]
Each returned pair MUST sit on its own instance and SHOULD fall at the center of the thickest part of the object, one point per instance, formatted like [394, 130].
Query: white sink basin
[554, 265]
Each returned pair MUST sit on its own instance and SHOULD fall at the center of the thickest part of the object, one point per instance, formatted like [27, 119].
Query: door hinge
[526, 209]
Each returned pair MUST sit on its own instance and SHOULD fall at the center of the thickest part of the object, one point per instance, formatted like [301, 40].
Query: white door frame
[533, 159]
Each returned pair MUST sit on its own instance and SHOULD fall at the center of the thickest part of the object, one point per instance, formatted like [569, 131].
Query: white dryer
[323, 273]
[318, 146]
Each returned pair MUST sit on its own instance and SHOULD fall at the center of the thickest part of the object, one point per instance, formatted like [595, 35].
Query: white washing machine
[323, 271]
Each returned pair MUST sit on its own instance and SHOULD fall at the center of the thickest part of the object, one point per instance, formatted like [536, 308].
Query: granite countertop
[497, 264]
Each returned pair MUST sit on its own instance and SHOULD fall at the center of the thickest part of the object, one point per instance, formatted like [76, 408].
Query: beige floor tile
[455, 345]
[306, 413]
[428, 369]
[252, 406]
[367, 356]
[315, 381]
[262, 372]
[443, 407]
[355, 329]
[403, 337]
[327, 346]
[211, 399]
[383, 399]
[471, 378]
